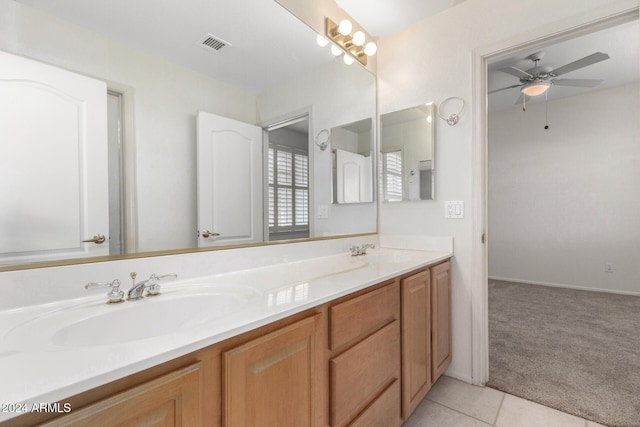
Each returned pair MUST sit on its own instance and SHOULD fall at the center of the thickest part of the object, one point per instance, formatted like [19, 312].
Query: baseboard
[458, 376]
[559, 285]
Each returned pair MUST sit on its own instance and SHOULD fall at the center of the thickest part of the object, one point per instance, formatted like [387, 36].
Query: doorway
[287, 198]
[502, 161]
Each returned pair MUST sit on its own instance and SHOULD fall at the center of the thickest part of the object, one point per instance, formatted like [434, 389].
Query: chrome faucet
[151, 285]
[114, 296]
[361, 249]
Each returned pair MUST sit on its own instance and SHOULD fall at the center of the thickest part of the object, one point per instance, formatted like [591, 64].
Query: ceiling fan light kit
[538, 80]
[535, 88]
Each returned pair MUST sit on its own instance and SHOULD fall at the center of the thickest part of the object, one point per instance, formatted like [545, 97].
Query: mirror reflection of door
[53, 163]
[229, 181]
[352, 178]
[288, 180]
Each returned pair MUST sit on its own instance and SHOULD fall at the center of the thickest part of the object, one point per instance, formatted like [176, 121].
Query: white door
[353, 176]
[53, 162]
[229, 181]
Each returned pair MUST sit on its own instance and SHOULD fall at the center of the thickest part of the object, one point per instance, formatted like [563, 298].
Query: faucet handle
[153, 288]
[115, 295]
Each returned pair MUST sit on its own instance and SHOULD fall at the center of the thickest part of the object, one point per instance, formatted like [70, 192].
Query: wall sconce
[322, 139]
[354, 45]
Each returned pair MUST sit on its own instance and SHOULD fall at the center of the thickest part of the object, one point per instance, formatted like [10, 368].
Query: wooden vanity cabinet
[440, 319]
[271, 380]
[174, 399]
[364, 359]
[416, 340]
[426, 332]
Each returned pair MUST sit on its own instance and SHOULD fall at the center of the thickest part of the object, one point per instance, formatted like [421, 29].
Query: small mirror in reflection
[407, 145]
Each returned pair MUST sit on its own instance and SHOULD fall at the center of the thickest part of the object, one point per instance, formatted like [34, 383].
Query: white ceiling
[268, 44]
[383, 17]
[621, 43]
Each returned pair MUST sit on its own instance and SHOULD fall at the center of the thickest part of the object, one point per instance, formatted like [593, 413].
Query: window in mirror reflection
[288, 178]
[392, 175]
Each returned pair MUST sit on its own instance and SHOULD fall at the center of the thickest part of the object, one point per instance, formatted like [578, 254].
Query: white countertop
[35, 370]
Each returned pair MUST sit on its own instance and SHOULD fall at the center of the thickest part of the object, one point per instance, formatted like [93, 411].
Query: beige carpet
[576, 351]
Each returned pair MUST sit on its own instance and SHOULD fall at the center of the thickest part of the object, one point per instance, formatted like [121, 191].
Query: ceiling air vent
[211, 42]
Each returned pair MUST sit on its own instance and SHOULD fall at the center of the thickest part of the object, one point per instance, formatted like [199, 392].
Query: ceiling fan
[537, 80]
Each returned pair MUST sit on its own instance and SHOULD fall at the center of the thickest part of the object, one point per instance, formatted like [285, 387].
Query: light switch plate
[454, 209]
[322, 212]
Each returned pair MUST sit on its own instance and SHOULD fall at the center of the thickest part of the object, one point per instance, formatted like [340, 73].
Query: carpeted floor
[576, 351]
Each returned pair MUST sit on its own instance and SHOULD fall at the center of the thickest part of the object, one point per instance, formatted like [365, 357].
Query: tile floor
[453, 403]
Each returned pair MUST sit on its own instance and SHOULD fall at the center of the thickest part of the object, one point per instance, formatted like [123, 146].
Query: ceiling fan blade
[504, 88]
[577, 82]
[516, 72]
[520, 99]
[587, 60]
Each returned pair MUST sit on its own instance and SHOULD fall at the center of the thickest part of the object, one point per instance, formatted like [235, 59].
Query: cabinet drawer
[360, 373]
[384, 411]
[362, 315]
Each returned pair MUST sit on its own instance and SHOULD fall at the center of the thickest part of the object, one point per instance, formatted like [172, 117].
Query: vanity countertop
[46, 356]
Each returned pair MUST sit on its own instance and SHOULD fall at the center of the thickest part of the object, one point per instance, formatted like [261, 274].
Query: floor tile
[517, 412]
[431, 414]
[479, 402]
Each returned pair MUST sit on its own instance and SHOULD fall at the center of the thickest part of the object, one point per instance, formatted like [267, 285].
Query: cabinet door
[270, 381]
[171, 400]
[440, 318]
[416, 340]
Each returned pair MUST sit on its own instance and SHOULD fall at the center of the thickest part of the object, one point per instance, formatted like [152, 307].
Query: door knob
[97, 239]
[207, 233]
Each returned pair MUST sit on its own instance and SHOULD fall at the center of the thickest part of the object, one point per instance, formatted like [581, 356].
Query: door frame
[277, 123]
[608, 17]
[128, 183]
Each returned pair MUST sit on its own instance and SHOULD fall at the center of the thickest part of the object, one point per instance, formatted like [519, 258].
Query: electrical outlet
[608, 268]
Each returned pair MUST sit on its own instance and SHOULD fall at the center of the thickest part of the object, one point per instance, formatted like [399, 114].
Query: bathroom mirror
[352, 162]
[250, 61]
[407, 148]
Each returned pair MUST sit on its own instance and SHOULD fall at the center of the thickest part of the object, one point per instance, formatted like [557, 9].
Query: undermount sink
[94, 324]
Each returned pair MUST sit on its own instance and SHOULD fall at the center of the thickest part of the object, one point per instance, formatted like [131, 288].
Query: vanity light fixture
[322, 42]
[535, 88]
[353, 45]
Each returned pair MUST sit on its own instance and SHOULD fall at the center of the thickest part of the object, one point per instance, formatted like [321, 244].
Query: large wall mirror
[160, 73]
[407, 146]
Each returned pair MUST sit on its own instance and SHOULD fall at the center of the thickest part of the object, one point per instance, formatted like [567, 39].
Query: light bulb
[370, 49]
[345, 27]
[322, 42]
[535, 88]
[335, 50]
[358, 38]
[348, 59]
